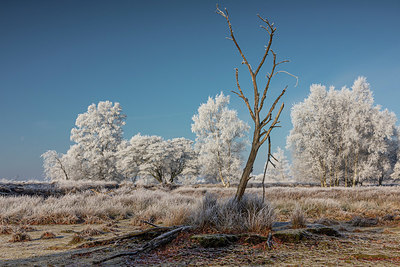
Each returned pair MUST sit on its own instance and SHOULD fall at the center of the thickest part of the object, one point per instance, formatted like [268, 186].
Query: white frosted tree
[219, 140]
[55, 165]
[97, 135]
[339, 136]
[166, 160]
[131, 155]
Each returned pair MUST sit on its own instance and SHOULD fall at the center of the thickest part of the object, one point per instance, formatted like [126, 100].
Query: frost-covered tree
[54, 165]
[280, 171]
[166, 160]
[97, 135]
[339, 136]
[219, 140]
[132, 154]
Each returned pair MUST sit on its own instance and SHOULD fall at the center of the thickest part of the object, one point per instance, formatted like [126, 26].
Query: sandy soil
[378, 246]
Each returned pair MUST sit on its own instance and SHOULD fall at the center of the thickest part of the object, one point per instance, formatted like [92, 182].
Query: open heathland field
[86, 223]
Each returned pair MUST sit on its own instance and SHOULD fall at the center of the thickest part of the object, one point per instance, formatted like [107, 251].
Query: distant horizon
[162, 60]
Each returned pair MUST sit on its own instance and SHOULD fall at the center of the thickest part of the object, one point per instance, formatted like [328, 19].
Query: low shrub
[250, 214]
[47, 235]
[89, 231]
[20, 237]
[298, 220]
[5, 230]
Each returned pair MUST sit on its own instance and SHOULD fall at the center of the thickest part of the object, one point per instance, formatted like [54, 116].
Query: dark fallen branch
[152, 244]
[145, 234]
[149, 223]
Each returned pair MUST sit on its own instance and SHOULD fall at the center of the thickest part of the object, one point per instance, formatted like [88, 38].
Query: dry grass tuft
[76, 239]
[251, 214]
[5, 230]
[89, 231]
[47, 235]
[26, 228]
[20, 237]
[298, 220]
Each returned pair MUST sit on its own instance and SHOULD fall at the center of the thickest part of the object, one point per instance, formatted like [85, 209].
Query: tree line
[339, 138]
[100, 153]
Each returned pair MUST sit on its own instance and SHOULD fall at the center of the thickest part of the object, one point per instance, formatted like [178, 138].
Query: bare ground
[359, 246]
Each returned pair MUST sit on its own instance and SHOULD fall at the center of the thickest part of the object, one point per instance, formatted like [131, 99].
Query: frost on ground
[368, 220]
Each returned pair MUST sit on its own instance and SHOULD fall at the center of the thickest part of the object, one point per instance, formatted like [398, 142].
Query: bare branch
[149, 223]
[268, 82]
[288, 73]
[264, 122]
[270, 25]
[284, 61]
[271, 36]
[266, 166]
[241, 95]
[273, 124]
[265, 28]
[226, 16]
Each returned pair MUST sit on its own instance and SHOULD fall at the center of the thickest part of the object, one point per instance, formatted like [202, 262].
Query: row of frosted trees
[101, 153]
[339, 137]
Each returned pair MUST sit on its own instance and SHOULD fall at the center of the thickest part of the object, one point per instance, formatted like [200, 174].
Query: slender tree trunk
[221, 177]
[345, 172]
[62, 168]
[247, 170]
[380, 180]
[355, 171]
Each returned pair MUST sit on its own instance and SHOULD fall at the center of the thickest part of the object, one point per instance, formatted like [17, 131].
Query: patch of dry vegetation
[89, 231]
[185, 205]
[47, 235]
[251, 214]
[20, 237]
[298, 220]
[5, 230]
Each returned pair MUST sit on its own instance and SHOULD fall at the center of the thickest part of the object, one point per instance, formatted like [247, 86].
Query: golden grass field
[106, 213]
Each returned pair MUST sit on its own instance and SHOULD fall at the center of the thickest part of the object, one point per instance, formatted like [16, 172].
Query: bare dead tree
[263, 124]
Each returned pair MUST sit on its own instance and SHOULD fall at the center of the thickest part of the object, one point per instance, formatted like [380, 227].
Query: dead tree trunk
[263, 124]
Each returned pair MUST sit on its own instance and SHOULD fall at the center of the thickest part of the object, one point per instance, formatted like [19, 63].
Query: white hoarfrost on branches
[340, 137]
[100, 153]
[97, 135]
[132, 155]
[167, 160]
[219, 140]
[55, 165]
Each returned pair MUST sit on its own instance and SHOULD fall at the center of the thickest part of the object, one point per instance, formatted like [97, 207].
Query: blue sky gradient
[162, 59]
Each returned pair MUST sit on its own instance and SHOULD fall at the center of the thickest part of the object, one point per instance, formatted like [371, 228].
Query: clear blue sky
[162, 59]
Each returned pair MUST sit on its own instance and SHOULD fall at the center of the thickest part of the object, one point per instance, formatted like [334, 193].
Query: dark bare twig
[269, 241]
[266, 165]
[149, 223]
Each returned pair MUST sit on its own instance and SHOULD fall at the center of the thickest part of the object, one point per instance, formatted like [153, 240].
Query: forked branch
[241, 95]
